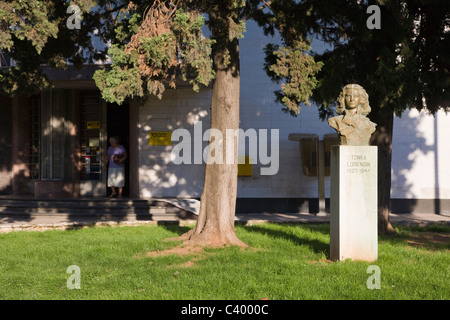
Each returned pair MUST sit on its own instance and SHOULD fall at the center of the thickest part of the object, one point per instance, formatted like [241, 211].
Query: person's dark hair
[116, 138]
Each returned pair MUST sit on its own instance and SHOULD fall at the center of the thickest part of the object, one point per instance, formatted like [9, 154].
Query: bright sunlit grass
[283, 262]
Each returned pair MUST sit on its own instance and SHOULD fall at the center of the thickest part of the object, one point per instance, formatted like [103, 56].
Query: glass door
[92, 144]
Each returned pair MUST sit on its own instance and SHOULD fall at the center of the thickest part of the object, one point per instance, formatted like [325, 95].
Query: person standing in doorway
[116, 157]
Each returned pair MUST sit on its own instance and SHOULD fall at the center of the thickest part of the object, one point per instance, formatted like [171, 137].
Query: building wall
[158, 175]
[181, 108]
[420, 157]
[258, 110]
[421, 150]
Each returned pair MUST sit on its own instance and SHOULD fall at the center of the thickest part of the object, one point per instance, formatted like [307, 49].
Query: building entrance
[118, 124]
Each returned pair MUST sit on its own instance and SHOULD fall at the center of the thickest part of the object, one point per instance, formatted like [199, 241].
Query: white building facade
[58, 150]
[421, 151]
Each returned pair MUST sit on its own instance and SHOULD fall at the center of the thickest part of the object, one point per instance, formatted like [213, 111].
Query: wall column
[20, 145]
[5, 146]
[75, 148]
[134, 150]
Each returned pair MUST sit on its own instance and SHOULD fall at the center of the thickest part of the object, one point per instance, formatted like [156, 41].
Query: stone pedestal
[353, 203]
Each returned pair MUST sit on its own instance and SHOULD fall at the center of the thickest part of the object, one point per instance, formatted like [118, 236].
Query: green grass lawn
[284, 262]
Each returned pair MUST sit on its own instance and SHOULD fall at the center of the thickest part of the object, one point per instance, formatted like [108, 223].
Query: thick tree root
[184, 237]
[205, 239]
[386, 230]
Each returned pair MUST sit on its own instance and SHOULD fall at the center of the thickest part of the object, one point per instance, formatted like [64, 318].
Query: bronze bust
[352, 125]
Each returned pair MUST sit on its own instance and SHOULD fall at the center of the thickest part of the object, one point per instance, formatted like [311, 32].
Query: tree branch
[266, 5]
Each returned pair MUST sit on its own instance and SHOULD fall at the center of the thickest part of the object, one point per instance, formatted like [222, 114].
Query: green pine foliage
[118, 83]
[180, 50]
[297, 68]
[26, 20]
[154, 61]
[34, 33]
[403, 65]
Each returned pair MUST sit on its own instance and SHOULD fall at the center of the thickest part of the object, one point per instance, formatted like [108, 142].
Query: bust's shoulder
[335, 119]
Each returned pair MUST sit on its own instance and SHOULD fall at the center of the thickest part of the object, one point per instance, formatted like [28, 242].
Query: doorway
[118, 123]
[92, 144]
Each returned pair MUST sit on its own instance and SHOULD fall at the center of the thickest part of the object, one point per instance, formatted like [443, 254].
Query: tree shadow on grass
[178, 230]
[426, 239]
[317, 246]
[323, 228]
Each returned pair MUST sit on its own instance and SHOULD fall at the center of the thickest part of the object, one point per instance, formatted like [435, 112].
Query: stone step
[87, 215]
[71, 203]
[93, 207]
[88, 210]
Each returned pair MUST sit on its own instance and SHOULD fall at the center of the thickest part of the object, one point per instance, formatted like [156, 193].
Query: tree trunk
[382, 138]
[215, 225]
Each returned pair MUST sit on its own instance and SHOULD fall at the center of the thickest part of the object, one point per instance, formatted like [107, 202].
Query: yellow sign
[244, 169]
[160, 138]
[93, 125]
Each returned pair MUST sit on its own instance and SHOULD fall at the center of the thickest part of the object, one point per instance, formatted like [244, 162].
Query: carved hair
[363, 108]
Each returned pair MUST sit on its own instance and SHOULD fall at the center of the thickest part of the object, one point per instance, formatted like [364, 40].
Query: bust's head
[352, 97]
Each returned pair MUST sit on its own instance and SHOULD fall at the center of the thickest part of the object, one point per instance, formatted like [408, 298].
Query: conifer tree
[166, 43]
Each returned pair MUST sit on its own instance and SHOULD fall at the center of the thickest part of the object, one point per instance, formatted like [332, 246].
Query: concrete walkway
[310, 218]
[59, 221]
